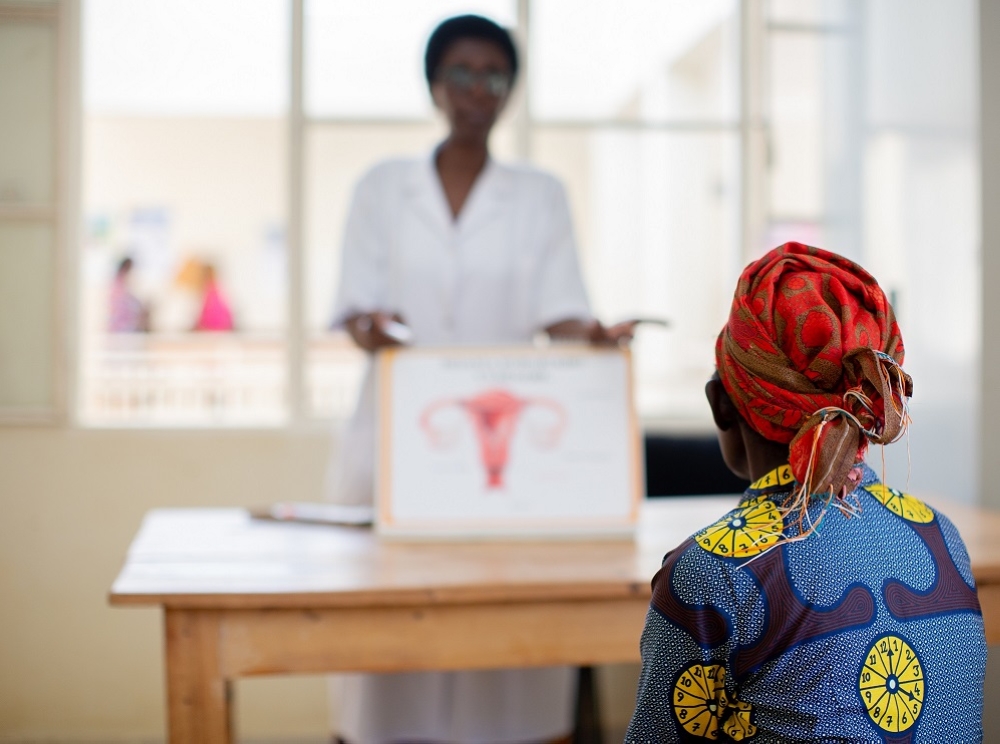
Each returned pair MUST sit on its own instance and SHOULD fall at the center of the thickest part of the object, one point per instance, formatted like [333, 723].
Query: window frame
[750, 126]
[59, 212]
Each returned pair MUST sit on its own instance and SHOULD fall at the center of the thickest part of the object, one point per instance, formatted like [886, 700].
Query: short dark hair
[467, 27]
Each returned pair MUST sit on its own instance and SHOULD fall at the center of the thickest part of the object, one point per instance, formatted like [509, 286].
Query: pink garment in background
[125, 311]
[215, 314]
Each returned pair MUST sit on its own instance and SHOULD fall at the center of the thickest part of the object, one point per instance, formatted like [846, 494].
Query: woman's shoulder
[391, 170]
[535, 188]
[385, 182]
[528, 175]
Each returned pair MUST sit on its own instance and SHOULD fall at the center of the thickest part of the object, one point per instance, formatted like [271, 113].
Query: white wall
[71, 667]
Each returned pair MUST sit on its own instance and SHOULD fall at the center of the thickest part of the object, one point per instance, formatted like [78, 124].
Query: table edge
[626, 589]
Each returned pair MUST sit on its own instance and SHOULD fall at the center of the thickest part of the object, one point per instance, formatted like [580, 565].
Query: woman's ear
[731, 433]
[724, 412]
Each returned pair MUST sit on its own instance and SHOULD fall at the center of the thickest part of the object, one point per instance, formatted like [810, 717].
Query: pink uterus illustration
[494, 415]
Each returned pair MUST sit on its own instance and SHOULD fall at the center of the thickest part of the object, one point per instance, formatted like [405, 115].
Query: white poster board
[509, 442]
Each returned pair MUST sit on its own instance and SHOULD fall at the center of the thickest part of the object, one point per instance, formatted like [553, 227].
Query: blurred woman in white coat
[459, 249]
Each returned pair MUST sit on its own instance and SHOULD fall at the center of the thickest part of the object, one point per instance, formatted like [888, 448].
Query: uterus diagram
[493, 416]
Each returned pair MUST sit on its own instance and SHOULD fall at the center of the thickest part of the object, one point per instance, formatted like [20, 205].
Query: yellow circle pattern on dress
[778, 477]
[891, 684]
[701, 704]
[748, 531]
[699, 697]
[737, 724]
[902, 504]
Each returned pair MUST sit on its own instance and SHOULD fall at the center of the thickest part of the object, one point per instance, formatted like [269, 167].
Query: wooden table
[243, 597]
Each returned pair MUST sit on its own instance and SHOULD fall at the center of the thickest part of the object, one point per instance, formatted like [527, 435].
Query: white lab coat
[505, 269]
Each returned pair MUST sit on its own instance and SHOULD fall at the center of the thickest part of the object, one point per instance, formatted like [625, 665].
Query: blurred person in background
[126, 312]
[215, 313]
[456, 248]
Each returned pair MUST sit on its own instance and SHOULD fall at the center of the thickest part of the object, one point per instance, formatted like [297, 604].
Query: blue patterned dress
[867, 630]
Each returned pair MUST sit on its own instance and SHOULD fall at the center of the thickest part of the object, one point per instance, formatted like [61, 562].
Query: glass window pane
[922, 240]
[644, 60]
[193, 189]
[796, 85]
[921, 65]
[27, 116]
[186, 57]
[657, 224]
[26, 321]
[366, 59]
[816, 121]
[811, 12]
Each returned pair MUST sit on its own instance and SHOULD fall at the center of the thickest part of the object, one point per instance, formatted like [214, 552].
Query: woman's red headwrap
[810, 357]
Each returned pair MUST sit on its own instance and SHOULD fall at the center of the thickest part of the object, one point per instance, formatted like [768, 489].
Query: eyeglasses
[462, 78]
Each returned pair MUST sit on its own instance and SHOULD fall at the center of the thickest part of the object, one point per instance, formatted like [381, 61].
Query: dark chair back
[687, 465]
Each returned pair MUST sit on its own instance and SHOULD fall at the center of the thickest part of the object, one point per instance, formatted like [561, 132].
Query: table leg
[199, 698]
[989, 601]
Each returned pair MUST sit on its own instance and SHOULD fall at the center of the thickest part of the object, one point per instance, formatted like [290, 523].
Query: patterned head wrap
[810, 357]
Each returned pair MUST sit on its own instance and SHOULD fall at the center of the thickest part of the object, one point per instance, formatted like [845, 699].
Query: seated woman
[826, 606]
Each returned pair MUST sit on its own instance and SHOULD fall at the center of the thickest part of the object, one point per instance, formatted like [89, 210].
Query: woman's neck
[461, 157]
[458, 165]
[763, 455]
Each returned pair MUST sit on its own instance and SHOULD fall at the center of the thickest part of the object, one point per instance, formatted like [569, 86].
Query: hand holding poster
[506, 442]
